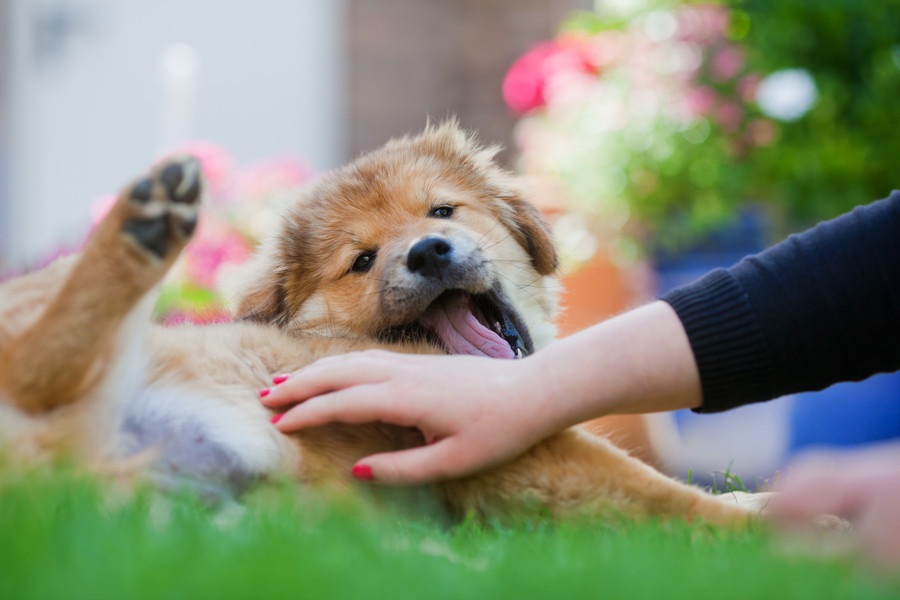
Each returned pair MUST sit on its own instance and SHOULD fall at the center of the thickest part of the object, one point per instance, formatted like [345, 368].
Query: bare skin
[477, 412]
[861, 486]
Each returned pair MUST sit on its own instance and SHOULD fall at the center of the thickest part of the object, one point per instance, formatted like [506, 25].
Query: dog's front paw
[161, 209]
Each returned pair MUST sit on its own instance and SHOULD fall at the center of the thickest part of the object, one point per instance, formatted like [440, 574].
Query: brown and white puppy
[422, 246]
[422, 235]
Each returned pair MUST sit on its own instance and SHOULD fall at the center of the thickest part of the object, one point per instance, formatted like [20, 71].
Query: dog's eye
[363, 262]
[442, 212]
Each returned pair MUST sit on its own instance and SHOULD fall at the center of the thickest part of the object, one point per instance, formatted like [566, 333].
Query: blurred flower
[727, 63]
[729, 116]
[747, 87]
[217, 166]
[629, 116]
[526, 81]
[787, 95]
[100, 206]
[761, 132]
[215, 245]
[702, 22]
[700, 101]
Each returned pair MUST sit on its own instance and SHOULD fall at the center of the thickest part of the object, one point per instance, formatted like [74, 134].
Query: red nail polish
[276, 418]
[279, 379]
[363, 472]
[265, 392]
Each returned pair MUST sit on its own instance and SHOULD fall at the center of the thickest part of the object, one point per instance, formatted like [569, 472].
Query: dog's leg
[578, 474]
[62, 355]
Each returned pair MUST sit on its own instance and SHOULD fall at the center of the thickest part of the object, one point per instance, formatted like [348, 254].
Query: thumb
[422, 464]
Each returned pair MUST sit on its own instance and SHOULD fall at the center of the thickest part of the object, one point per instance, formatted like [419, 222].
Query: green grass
[63, 536]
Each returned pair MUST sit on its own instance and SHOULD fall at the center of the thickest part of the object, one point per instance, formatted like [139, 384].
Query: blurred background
[93, 90]
[662, 137]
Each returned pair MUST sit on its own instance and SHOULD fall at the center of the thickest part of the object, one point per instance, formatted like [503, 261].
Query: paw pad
[149, 233]
[182, 181]
[163, 213]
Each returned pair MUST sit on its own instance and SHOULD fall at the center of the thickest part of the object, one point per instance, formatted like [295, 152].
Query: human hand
[473, 412]
[862, 487]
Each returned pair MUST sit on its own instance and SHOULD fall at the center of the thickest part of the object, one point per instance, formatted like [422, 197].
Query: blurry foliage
[679, 168]
[846, 150]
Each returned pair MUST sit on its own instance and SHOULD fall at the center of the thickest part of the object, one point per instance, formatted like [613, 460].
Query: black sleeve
[821, 307]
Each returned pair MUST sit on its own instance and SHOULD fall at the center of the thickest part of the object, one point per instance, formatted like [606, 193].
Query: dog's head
[425, 237]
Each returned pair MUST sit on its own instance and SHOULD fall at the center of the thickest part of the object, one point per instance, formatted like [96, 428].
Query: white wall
[88, 101]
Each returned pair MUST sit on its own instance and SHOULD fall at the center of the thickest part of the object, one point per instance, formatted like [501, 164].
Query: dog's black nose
[429, 256]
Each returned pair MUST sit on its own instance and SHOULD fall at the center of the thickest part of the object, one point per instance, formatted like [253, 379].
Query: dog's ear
[273, 285]
[263, 304]
[260, 296]
[461, 149]
[532, 232]
[255, 290]
[519, 216]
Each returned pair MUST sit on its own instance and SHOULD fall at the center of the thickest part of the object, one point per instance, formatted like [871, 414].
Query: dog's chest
[199, 442]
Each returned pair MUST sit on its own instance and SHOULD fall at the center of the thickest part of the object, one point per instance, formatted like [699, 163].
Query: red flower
[525, 84]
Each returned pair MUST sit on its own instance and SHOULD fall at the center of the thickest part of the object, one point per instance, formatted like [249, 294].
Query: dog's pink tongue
[462, 332]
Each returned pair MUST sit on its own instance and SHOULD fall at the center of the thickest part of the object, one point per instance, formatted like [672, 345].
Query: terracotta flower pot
[597, 291]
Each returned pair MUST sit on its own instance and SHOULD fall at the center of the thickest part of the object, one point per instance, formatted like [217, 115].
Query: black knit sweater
[819, 308]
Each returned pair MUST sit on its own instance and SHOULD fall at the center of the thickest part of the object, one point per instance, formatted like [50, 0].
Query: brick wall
[409, 59]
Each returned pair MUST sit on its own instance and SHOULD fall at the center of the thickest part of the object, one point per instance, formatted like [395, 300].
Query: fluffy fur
[84, 372]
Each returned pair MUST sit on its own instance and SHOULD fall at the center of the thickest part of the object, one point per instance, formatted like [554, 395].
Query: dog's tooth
[497, 327]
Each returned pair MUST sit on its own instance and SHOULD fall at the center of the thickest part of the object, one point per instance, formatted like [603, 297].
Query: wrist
[640, 361]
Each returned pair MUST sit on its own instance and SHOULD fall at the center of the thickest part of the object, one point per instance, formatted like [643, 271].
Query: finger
[324, 376]
[878, 528]
[359, 404]
[814, 495]
[423, 464]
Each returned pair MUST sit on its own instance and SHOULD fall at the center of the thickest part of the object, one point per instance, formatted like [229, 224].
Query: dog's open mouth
[479, 325]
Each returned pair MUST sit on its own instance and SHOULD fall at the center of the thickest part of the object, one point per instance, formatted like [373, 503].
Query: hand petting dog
[476, 413]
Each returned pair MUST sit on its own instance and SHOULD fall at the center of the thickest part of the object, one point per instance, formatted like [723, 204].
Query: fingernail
[279, 379]
[363, 472]
[265, 392]
[276, 418]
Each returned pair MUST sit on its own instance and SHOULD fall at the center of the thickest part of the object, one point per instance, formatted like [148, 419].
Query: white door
[101, 87]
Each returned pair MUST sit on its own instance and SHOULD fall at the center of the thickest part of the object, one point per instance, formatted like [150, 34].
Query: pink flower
[100, 207]
[610, 48]
[729, 116]
[761, 132]
[700, 101]
[747, 87]
[216, 163]
[213, 247]
[727, 63]
[525, 84]
[263, 179]
[198, 316]
[702, 22]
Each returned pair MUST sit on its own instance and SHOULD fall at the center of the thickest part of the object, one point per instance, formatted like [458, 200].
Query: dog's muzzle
[465, 308]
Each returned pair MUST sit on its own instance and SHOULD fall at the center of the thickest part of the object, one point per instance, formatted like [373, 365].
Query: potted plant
[658, 125]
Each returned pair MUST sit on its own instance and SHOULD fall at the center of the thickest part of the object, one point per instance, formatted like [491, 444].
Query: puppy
[424, 246]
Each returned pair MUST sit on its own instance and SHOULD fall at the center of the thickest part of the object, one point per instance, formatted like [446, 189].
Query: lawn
[63, 536]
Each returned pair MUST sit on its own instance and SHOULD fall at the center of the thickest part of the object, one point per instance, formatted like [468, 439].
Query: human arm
[821, 307]
[478, 412]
